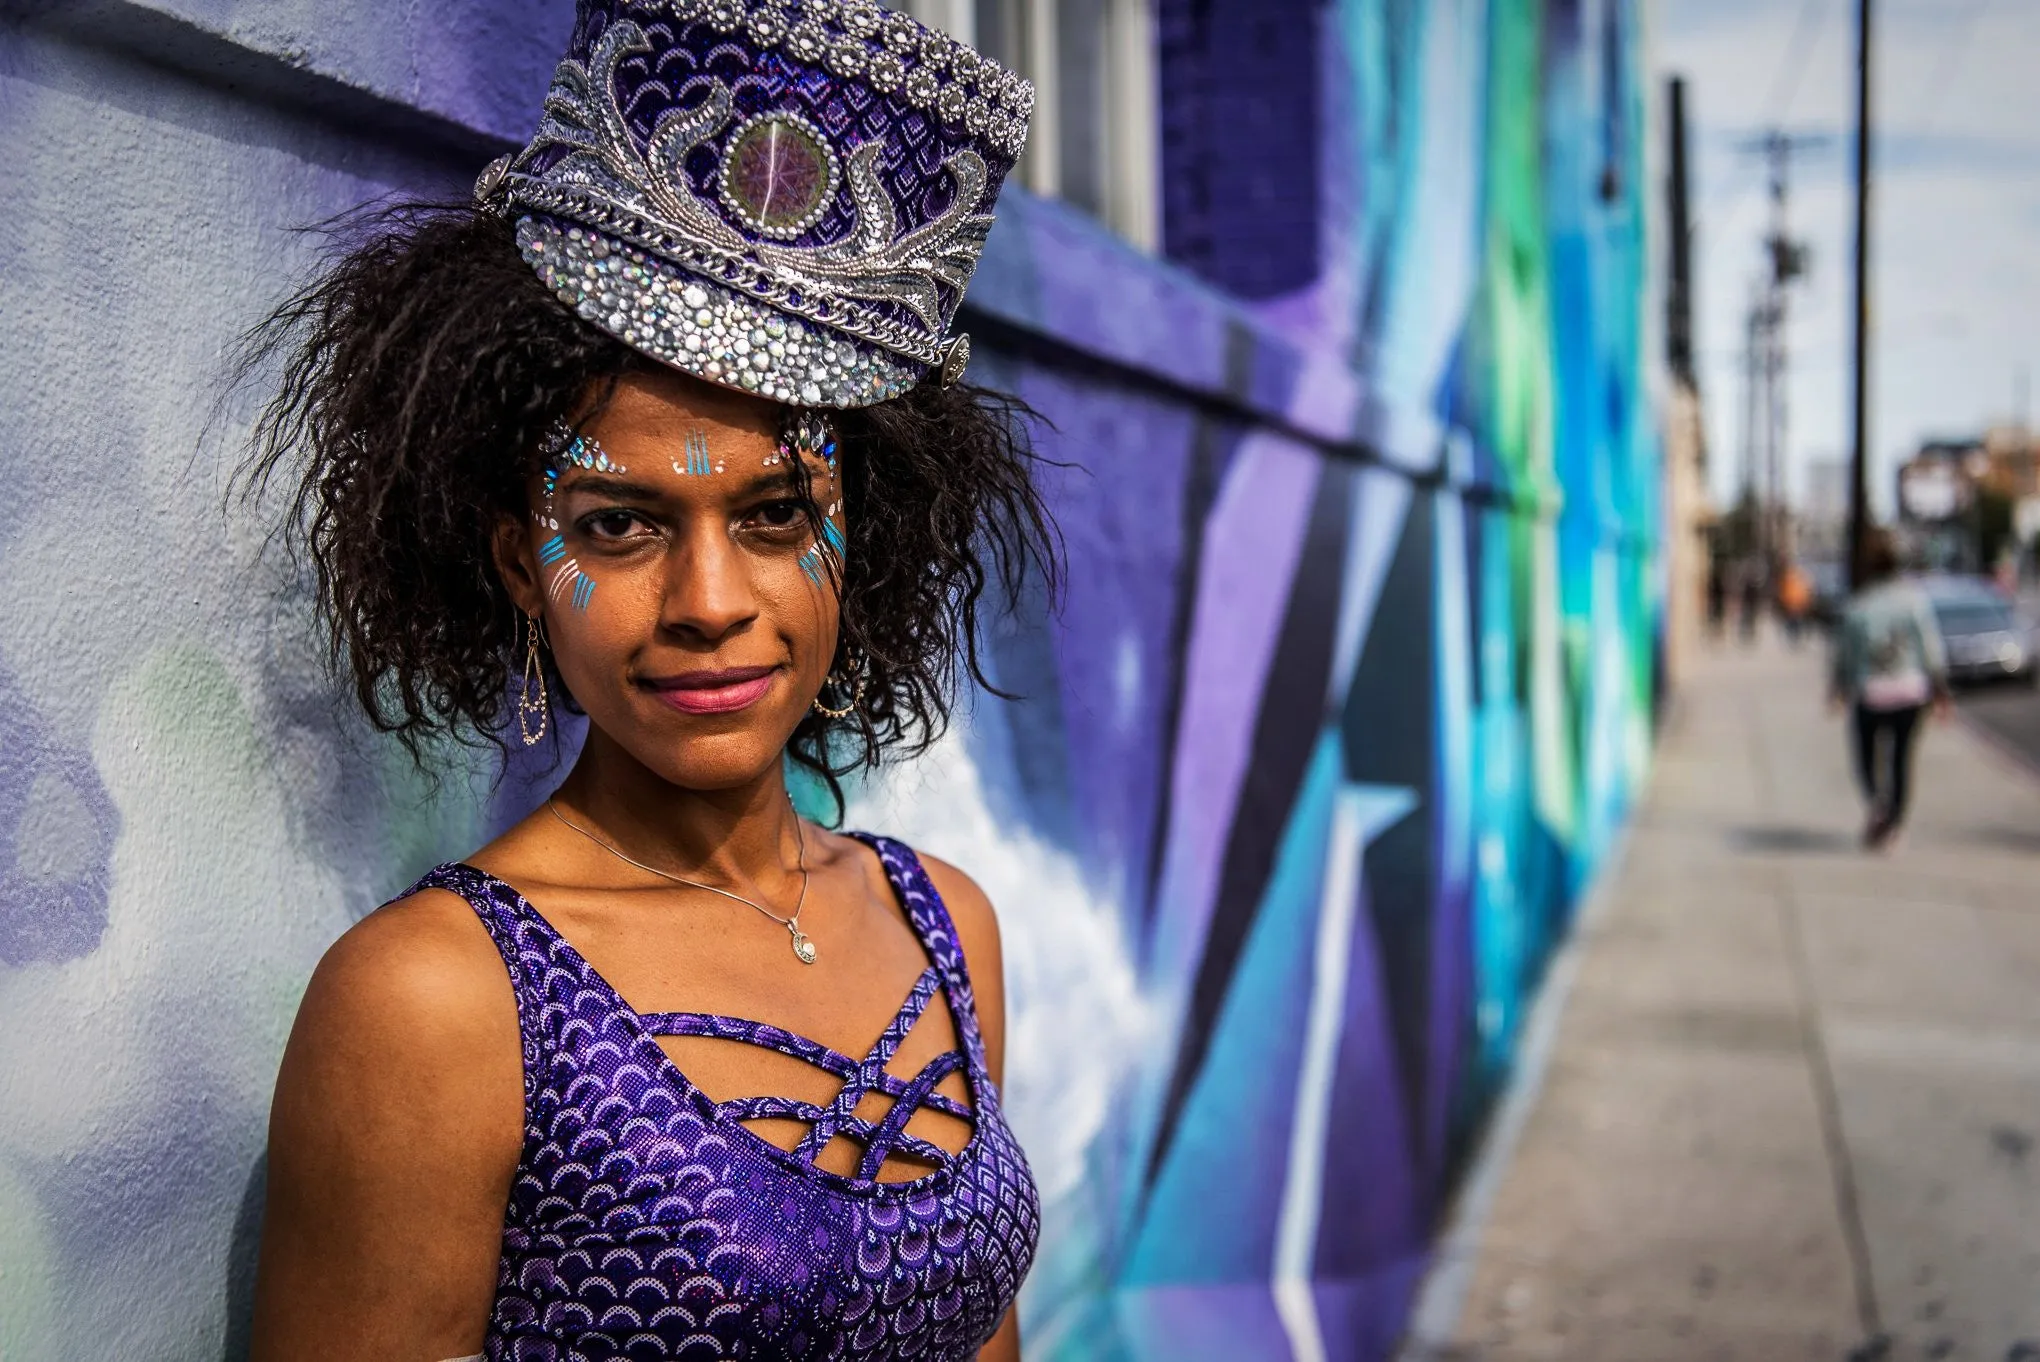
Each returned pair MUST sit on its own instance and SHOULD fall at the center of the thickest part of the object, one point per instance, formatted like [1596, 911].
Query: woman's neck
[742, 835]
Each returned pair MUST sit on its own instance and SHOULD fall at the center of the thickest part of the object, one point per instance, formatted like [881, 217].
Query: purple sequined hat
[786, 197]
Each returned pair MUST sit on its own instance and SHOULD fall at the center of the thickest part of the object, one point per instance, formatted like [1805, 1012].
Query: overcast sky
[1955, 293]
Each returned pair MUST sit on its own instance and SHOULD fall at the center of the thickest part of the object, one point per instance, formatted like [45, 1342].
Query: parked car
[1984, 636]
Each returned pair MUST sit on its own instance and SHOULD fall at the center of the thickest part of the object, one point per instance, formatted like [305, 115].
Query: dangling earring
[528, 707]
[854, 683]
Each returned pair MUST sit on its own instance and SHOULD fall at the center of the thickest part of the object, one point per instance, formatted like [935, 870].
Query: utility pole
[1785, 264]
[1859, 427]
[1756, 342]
[1679, 297]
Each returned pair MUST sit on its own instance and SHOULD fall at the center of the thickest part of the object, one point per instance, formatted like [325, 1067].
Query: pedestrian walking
[1751, 591]
[1888, 667]
[1717, 596]
[1795, 600]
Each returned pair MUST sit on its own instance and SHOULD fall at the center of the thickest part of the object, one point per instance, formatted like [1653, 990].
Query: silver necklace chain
[803, 948]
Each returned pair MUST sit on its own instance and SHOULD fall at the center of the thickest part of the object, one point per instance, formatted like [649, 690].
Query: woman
[667, 427]
[1888, 666]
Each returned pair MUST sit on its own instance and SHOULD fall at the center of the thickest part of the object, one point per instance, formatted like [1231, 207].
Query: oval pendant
[803, 949]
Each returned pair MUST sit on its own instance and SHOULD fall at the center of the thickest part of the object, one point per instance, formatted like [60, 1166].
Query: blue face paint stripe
[699, 460]
[552, 550]
[584, 591]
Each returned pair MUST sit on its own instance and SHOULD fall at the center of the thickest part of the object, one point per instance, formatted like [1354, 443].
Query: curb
[1996, 748]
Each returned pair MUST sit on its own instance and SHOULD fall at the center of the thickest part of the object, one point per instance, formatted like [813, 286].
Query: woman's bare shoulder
[413, 993]
[428, 949]
[394, 1134]
[969, 906]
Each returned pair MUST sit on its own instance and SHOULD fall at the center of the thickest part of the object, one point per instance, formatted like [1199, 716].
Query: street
[2009, 715]
[1788, 1102]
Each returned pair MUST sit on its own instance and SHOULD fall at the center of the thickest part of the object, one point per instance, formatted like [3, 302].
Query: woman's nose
[709, 591]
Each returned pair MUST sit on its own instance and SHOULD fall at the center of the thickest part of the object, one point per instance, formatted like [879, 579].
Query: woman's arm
[977, 932]
[393, 1138]
[1933, 648]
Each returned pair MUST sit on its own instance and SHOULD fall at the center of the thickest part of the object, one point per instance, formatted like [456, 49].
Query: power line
[1952, 53]
[1807, 30]
[1806, 34]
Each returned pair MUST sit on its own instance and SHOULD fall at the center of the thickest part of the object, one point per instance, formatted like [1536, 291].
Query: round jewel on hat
[786, 197]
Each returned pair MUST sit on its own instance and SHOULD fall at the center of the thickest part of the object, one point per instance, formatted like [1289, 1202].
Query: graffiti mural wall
[1350, 692]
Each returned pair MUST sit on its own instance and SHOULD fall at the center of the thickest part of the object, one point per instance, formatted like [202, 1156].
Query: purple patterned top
[646, 1221]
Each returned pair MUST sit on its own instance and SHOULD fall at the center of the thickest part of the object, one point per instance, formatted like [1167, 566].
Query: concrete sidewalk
[1790, 1103]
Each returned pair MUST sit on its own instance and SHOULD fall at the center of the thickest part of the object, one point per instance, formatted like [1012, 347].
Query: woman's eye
[611, 525]
[780, 515]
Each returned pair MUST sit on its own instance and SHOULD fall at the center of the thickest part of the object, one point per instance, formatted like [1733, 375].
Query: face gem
[805, 434]
[778, 175]
[584, 451]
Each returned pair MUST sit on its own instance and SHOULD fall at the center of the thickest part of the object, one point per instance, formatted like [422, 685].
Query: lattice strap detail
[787, 1108]
[787, 1043]
[903, 1021]
[891, 1132]
[751, 1033]
[870, 1076]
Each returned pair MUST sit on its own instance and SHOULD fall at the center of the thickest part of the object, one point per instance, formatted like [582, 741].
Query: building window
[1092, 142]
[1240, 99]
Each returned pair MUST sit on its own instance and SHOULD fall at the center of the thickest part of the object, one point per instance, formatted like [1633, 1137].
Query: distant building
[1827, 490]
[2012, 455]
[1822, 530]
[1939, 502]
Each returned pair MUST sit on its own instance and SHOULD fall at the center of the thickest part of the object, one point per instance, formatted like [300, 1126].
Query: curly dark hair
[419, 374]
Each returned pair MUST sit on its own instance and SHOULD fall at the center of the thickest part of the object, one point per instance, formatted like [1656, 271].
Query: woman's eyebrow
[780, 481]
[608, 485]
[626, 489]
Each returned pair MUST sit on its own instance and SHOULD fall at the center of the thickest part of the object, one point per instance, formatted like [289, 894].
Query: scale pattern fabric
[646, 1221]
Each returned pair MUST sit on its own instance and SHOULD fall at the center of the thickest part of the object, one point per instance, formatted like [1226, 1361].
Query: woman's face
[686, 596]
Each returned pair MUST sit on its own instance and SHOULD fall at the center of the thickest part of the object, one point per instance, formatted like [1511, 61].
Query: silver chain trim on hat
[733, 272]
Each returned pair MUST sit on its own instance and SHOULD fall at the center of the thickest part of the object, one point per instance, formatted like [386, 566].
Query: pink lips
[715, 692]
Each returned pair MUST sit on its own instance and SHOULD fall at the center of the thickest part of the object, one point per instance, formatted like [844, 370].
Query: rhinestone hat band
[803, 228]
